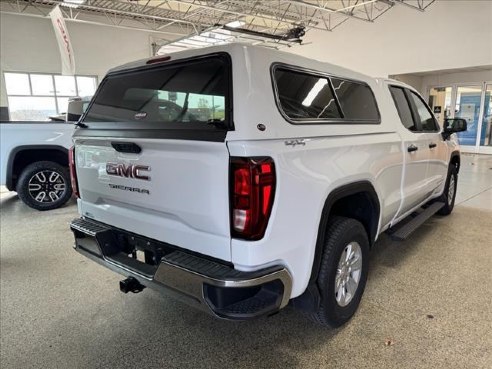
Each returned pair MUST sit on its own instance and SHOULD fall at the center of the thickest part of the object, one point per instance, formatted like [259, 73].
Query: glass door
[468, 103]
[486, 130]
[440, 101]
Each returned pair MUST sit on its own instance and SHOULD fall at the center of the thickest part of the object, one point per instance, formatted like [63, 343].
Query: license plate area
[139, 254]
[141, 249]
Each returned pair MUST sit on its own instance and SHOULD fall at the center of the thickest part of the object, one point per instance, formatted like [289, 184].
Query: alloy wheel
[47, 186]
[348, 275]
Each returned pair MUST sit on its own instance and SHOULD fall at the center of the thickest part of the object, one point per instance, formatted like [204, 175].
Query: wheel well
[357, 200]
[359, 206]
[24, 157]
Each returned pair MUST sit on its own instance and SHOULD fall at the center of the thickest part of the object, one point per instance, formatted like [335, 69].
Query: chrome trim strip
[187, 281]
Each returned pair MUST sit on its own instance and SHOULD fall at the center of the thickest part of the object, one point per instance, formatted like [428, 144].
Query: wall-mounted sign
[437, 110]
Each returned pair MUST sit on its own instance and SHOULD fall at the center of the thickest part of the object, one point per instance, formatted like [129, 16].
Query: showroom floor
[427, 303]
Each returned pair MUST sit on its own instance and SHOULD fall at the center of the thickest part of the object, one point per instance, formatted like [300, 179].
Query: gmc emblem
[128, 171]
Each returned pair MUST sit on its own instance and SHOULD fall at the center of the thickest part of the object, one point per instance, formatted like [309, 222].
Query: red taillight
[73, 172]
[252, 193]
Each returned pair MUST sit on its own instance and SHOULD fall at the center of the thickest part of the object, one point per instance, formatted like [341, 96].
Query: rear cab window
[312, 97]
[192, 94]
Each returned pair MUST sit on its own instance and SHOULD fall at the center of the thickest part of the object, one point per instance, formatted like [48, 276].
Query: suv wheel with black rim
[44, 185]
[343, 272]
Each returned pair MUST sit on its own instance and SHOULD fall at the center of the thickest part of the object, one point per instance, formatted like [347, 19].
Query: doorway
[472, 102]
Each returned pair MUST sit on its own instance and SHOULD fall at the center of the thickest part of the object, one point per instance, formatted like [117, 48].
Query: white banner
[64, 44]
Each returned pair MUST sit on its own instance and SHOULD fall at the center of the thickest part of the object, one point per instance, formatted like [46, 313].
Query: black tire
[57, 189]
[340, 233]
[447, 197]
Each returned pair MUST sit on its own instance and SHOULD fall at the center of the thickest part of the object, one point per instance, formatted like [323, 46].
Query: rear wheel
[44, 185]
[343, 272]
[449, 194]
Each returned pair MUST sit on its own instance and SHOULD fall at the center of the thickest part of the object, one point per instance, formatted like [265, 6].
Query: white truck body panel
[189, 205]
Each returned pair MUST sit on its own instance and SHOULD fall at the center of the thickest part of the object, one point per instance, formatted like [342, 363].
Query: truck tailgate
[184, 201]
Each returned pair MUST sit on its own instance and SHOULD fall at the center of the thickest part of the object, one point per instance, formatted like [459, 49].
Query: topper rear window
[182, 95]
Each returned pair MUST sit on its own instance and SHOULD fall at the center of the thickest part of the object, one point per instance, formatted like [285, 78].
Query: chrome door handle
[432, 145]
[412, 148]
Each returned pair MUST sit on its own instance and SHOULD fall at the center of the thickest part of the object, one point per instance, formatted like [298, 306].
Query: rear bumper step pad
[203, 283]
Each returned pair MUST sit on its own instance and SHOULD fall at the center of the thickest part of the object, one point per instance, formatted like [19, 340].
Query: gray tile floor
[475, 182]
[429, 295]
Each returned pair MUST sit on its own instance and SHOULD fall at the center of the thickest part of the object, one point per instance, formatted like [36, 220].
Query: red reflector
[73, 172]
[252, 193]
[158, 59]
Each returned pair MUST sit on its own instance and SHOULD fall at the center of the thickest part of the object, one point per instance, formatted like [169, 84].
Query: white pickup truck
[34, 162]
[240, 179]
[34, 157]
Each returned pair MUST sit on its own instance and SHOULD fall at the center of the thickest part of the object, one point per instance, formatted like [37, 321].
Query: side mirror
[453, 125]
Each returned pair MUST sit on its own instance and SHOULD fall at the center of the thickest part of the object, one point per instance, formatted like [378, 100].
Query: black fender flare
[9, 180]
[311, 297]
[334, 196]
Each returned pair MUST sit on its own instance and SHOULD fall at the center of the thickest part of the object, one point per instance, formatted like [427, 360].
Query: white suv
[240, 178]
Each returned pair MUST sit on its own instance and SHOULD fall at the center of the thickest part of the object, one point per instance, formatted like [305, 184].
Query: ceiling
[179, 24]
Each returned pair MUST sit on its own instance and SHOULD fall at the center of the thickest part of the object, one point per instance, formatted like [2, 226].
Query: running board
[400, 233]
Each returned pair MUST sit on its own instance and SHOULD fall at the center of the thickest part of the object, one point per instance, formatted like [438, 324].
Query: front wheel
[44, 185]
[343, 272]
[449, 194]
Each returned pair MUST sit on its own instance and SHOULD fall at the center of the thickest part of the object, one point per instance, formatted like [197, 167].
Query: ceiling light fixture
[236, 24]
[72, 3]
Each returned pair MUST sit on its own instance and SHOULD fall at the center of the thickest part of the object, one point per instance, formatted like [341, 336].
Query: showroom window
[37, 96]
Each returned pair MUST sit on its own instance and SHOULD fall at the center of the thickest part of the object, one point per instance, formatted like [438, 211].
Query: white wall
[28, 44]
[446, 79]
[449, 34]
[443, 80]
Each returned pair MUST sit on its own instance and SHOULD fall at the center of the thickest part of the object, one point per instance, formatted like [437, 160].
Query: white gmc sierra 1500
[240, 178]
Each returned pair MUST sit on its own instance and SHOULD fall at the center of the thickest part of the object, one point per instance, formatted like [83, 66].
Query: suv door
[437, 150]
[415, 184]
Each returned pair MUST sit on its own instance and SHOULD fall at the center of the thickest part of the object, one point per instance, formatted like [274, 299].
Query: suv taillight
[252, 193]
[73, 172]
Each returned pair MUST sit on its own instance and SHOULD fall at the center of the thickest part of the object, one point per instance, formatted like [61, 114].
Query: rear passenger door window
[403, 107]
[423, 114]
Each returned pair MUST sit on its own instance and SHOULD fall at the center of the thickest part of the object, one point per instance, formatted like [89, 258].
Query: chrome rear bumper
[209, 285]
